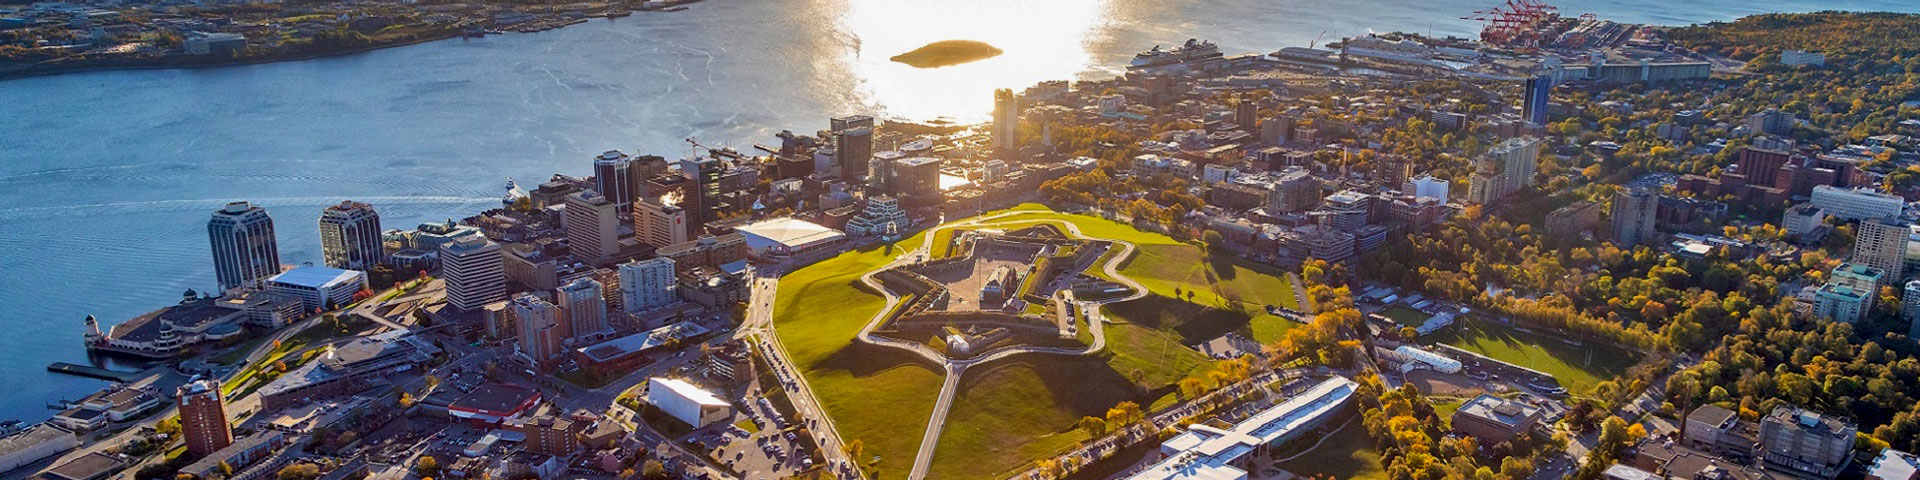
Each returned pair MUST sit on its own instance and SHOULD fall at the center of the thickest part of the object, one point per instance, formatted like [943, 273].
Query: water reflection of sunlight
[1042, 40]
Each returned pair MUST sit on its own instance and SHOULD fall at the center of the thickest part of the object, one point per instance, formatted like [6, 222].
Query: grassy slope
[1346, 455]
[1011, 413]
[818, 311]
[1577, 367]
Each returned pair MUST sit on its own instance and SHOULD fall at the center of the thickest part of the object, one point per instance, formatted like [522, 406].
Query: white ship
[1192, 50]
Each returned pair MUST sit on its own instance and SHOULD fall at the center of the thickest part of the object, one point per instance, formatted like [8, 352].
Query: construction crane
[722, 152]
[1316, 40]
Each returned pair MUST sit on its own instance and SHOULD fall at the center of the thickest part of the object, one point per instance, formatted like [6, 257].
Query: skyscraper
[1006, 119]
[648, 285]
[1534, 106]
[853, 144]
[613, 177]
[658, 222]
[476, 274]
[1882, 243]
[203, 418]
[350, 236]
[244, 250]
[705, 174]
[593, 227]
[1244, 113]
[585, 307]
[541, 332]
[1633, 216]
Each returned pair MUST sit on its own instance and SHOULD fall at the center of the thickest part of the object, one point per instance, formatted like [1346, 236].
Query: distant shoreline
[32, 71]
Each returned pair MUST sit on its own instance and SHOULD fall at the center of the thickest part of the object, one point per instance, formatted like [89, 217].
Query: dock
[92, 372]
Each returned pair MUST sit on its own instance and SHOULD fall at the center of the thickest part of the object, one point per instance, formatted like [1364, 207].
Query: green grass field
[1405, 316]
[1345, 455]
[1010, 414]
[1267, 329]
[818, 311]
[1578, 368]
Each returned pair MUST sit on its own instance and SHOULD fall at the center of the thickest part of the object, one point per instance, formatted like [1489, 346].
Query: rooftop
[640, 342]
[90, 466]
[1711, 415]
[316, 277]
[1894, 465]
[790, 232]
[682, 389]
[1506, 412]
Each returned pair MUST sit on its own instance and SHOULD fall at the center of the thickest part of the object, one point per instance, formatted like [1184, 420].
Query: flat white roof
[686, 390]
[315, 277]
[790, 232]
[1208, 453]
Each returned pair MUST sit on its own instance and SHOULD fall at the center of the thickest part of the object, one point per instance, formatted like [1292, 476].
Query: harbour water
[107, 178]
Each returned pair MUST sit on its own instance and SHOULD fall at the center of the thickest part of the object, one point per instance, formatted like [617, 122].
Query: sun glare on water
[1040, 40]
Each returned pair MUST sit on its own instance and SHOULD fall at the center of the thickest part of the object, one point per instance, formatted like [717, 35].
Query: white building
[585, 307]
[781, 238]
[882, 216]
[319, 288]
[648, 285]
[593, 226]
[687, 402]
[1802, 219]
[1426, 186]
[1856, 203]
[1417, 358]
[1205, 452]
[475, 272]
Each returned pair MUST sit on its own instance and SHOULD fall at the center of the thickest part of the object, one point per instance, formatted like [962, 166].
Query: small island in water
[946, 53]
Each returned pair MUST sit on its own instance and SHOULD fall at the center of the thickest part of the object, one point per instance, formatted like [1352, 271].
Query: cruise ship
[1191, 51]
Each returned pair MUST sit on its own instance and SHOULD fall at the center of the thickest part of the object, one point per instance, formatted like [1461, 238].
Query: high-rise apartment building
[648, 285]
[593, 227]
[1006, 119]
[244, 248]
[1506, 168]
[659, 224]
[203, 418]
[1882, 243]
[1634, 215]
[475, 272]
[542, 334]
[584, 304]
[350, 236]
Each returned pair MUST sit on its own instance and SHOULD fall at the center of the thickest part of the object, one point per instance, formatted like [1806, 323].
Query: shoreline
[31, 72]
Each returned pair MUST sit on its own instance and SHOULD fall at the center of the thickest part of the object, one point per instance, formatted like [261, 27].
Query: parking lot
[773, 449]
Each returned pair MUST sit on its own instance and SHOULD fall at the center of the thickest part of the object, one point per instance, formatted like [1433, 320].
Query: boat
[1192, 50]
